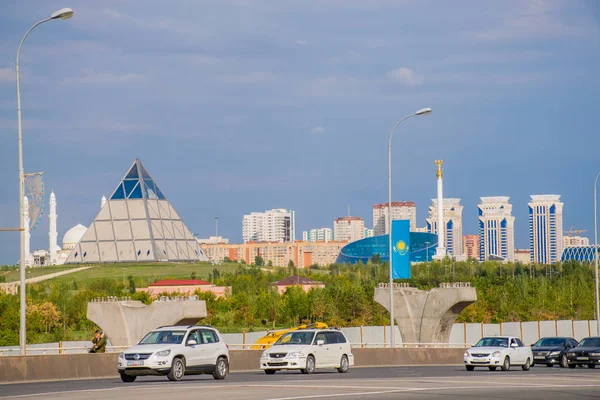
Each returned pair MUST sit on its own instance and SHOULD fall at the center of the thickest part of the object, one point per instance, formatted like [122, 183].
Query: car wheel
[470, 367]
[177, 371]
[270, 371]
[506, 364]
[527, 365]
[572, 366]
[310, 365]
[492, 368]
[344, 364]
[127, 378]
[591, 365]
[221, 368]
[563, 361]
[548, 365]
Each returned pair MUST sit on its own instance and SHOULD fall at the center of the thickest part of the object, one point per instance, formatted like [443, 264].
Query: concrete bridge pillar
[125, 322]
[426, 316]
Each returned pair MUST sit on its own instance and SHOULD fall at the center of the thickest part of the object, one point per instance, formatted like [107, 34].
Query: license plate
[583, 358]
[135, 363]
[540, 358]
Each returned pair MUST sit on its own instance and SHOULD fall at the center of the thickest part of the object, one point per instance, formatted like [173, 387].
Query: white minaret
[27, 233]
[102, 202]
[53, 233]
[441, 227]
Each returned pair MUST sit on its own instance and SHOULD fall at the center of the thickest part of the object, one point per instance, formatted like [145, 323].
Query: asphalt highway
[446, 383]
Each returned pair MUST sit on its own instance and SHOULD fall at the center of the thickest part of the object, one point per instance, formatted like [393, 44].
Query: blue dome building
[422, 248]
[579, 253]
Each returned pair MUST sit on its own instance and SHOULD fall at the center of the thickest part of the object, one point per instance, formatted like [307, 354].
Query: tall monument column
[53, 233]
[441, 226]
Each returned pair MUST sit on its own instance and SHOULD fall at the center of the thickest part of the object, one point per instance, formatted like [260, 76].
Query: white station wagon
[308, 349]
[499, 351]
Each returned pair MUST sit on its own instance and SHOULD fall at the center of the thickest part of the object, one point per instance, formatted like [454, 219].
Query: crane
[578, 232]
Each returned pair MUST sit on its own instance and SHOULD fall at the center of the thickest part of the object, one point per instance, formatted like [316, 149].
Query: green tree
[259, 261]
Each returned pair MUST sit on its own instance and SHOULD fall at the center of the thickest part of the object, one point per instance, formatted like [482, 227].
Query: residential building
[522, 256]
[545, 228]
[213, 240]
[184, 287]
[471, 243]
[318, 235]
[305, 283]
[575, 241]
[400, 210]
[496, 229]
[452, 214]
[277, 225]
[302, 254]
[348, 229]
[369, 232]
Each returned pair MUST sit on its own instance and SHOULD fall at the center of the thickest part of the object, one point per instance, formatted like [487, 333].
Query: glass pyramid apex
[137, 186]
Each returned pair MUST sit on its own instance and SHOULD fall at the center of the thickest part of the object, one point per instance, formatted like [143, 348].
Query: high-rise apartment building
[348, 229]
[275, 225]
[496, 229]
[545, 228]
[575, 241]
[369, 232]
[471, 243]
[318, 235]
[452, 214]
[400, 210]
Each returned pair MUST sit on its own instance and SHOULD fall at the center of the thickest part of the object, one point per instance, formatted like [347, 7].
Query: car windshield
[295, 338]
[549, 342]
[492, 342]
[590, 342]
[163, 337]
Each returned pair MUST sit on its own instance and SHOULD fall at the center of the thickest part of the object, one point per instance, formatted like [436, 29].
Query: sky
[237, 106]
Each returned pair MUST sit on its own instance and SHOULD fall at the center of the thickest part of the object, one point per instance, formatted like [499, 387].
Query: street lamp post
[64, 13]
[596, 258]
[423, 111]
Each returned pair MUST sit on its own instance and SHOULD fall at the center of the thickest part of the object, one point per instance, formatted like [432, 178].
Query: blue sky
[240, 106]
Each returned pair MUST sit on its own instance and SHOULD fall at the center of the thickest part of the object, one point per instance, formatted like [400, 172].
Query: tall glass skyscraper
[496, 229]
[545, 228]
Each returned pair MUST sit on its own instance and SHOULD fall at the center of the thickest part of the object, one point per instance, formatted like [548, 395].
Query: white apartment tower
[496, 228]
[400, 210]
[545, 228]
[318, 235]
[275, 225]
[452, 217]
[348, 229]
[575, 241]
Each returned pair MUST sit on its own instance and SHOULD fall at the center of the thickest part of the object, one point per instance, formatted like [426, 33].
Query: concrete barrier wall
[89, 366]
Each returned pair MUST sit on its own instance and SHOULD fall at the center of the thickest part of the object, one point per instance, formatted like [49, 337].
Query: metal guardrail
[249, 346]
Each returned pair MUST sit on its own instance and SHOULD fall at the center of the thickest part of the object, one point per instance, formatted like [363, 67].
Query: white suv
[176, 351]
[308, 349]
[499, 351]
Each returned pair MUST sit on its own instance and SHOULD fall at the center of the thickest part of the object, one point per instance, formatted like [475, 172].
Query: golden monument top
[439, 172]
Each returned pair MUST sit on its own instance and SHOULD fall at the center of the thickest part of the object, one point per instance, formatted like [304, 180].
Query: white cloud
[252, 77]
[317, 129]
[406, 76]
[301, 42]
[106, 78]
[7, 75]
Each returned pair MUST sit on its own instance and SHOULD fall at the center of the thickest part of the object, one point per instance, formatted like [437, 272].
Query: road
[420, 383]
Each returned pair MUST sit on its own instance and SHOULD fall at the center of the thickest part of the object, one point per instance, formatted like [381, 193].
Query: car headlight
[264, 355]
[554, 353]
[595, 354]
[121, 356]
[163, 353]
[496, 354]
[466, 354]
[295, 354]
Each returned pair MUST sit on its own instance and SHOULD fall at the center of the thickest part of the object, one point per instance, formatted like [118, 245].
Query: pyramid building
[137, 223]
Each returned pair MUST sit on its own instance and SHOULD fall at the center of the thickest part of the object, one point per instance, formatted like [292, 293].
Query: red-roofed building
[305, 283]
[184, 287]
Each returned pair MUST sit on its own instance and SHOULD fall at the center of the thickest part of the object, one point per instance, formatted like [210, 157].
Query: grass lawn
[145, 273]
[13, 274]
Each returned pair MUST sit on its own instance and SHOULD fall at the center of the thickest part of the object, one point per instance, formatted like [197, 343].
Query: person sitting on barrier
[99, 342]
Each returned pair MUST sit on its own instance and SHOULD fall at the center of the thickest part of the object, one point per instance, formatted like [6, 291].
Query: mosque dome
[73, 236]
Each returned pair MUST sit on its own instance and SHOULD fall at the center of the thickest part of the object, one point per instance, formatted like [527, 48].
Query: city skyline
[236, 106]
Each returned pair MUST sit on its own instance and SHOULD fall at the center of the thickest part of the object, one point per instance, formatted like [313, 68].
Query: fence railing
[57, 350]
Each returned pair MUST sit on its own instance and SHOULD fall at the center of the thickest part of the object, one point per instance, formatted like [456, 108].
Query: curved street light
[596, 258]
[423, 111]
[64, 13]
